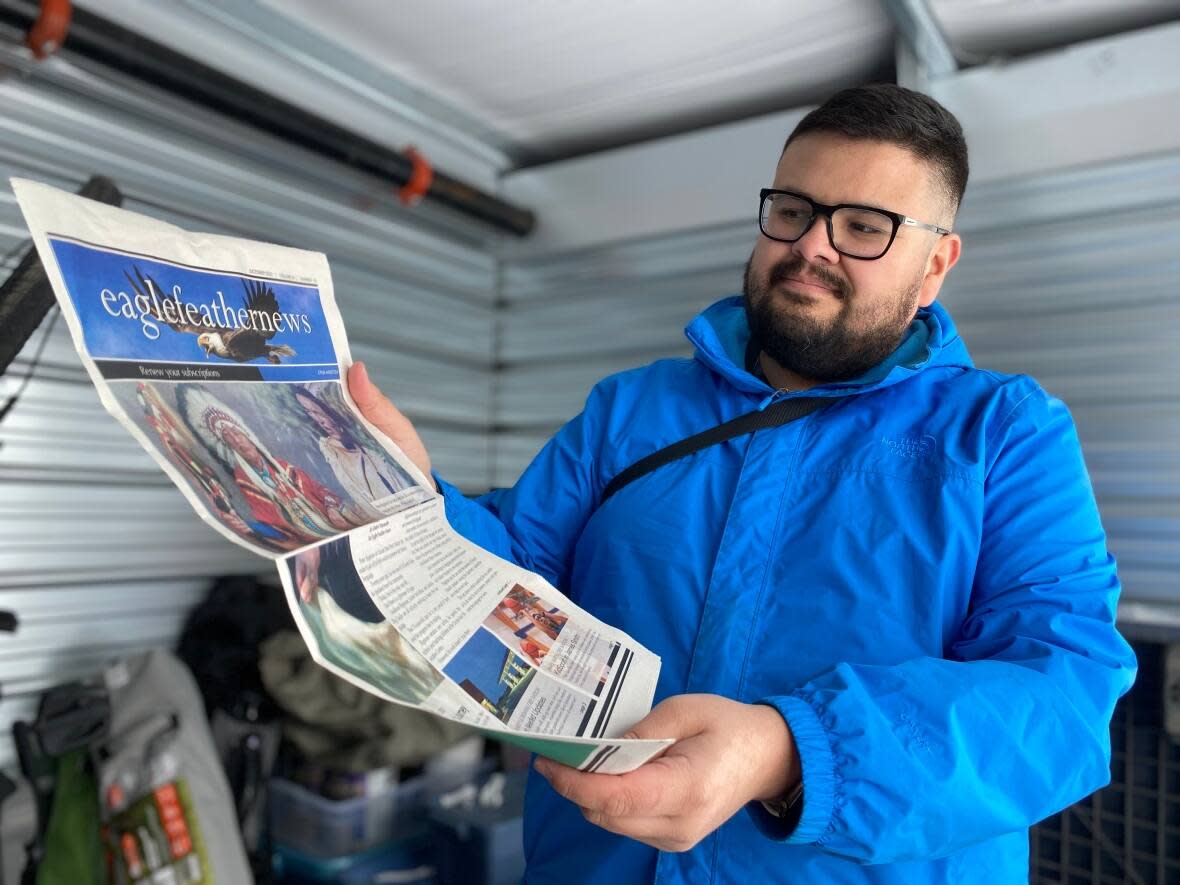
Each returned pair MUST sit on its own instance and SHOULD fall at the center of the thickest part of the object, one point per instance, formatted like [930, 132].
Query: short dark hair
[908, 119]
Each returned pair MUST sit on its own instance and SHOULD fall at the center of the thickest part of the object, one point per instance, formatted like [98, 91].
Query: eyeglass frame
[818, 209]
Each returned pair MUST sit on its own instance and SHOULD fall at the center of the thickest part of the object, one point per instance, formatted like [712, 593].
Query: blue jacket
[916, 577]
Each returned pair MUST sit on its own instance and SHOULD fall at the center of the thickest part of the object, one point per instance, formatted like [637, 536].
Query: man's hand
[726, 754]
[377, 408]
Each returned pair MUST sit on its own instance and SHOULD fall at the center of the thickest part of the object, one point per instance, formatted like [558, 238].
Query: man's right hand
[377, 408]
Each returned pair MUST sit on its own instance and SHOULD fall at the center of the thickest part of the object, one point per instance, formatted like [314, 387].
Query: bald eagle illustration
[240, 344]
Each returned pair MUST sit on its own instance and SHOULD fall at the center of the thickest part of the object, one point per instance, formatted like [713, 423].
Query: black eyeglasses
[863, 232]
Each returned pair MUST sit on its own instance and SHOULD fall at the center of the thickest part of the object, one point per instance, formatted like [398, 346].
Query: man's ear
[942, 259]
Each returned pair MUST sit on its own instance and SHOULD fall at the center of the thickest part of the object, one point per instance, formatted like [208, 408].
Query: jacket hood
[721, 334]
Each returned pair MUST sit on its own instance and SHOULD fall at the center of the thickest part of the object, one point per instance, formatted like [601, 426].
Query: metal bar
[923, 36]
[389, 95]
[120, 49]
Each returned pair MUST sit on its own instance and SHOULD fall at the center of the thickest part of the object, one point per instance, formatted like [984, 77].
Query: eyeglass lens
[862, 233]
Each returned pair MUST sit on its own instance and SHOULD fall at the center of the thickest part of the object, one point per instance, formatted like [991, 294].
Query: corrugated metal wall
[98, 553]
[572, 319]
[1069, 277]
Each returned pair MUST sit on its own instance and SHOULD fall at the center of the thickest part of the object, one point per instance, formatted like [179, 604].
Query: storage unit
[1071, 227]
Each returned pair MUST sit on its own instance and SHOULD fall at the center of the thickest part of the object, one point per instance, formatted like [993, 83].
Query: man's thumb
[373, 404]
[669, 719]
[377, 408]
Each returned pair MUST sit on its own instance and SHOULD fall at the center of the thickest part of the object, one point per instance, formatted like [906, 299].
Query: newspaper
[226, 360]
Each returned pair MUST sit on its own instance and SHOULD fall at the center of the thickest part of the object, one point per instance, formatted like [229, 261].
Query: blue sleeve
[922, 758]
[537, 522]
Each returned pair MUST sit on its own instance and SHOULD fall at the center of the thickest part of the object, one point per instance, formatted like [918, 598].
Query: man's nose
[815, 245]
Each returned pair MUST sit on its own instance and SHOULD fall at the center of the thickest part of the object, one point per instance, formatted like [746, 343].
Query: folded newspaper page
[226, 360]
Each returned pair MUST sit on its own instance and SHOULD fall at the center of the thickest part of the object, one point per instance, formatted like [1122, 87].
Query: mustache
[799, 267]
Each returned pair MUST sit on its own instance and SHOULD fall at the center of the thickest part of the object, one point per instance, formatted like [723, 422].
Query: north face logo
[910, 446]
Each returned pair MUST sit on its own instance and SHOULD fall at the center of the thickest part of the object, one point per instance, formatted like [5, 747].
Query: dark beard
[823, 352]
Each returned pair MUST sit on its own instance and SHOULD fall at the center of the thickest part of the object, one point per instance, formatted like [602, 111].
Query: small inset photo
[495, 677]
[527, 616]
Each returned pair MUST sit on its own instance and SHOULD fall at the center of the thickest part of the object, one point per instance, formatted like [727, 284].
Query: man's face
[823, 315]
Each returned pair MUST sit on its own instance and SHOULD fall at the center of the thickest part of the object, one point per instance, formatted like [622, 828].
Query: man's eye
[861, 228]
[791, 214]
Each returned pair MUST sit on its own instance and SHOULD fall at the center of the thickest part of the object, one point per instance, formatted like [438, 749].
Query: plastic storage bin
[478, 845]
[320, 827]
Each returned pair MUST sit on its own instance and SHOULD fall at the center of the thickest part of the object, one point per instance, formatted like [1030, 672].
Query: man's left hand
[726, 754]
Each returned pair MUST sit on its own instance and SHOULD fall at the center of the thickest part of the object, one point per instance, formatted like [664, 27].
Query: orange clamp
[48, 32]
[421, 177]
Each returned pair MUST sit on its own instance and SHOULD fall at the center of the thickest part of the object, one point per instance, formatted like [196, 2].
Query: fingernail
[542, 766]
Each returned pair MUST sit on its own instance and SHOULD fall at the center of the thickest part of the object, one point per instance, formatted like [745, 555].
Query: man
[902, 602]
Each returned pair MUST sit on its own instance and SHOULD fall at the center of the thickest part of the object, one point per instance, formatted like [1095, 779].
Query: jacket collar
[721, 334]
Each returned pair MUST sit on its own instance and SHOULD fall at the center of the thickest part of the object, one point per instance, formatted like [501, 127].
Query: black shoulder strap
[776, 415]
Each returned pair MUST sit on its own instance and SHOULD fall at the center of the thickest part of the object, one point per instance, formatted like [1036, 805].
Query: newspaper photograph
[225, 359]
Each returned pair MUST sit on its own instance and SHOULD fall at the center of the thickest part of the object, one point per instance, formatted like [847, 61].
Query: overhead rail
[100, 40]
[922, 38]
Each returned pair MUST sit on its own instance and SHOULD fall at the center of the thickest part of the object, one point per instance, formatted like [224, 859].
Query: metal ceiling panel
[985, 28]
[552, 79]
[543, 81]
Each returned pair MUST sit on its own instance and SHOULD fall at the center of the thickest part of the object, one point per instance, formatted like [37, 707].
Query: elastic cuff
[819, 774]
